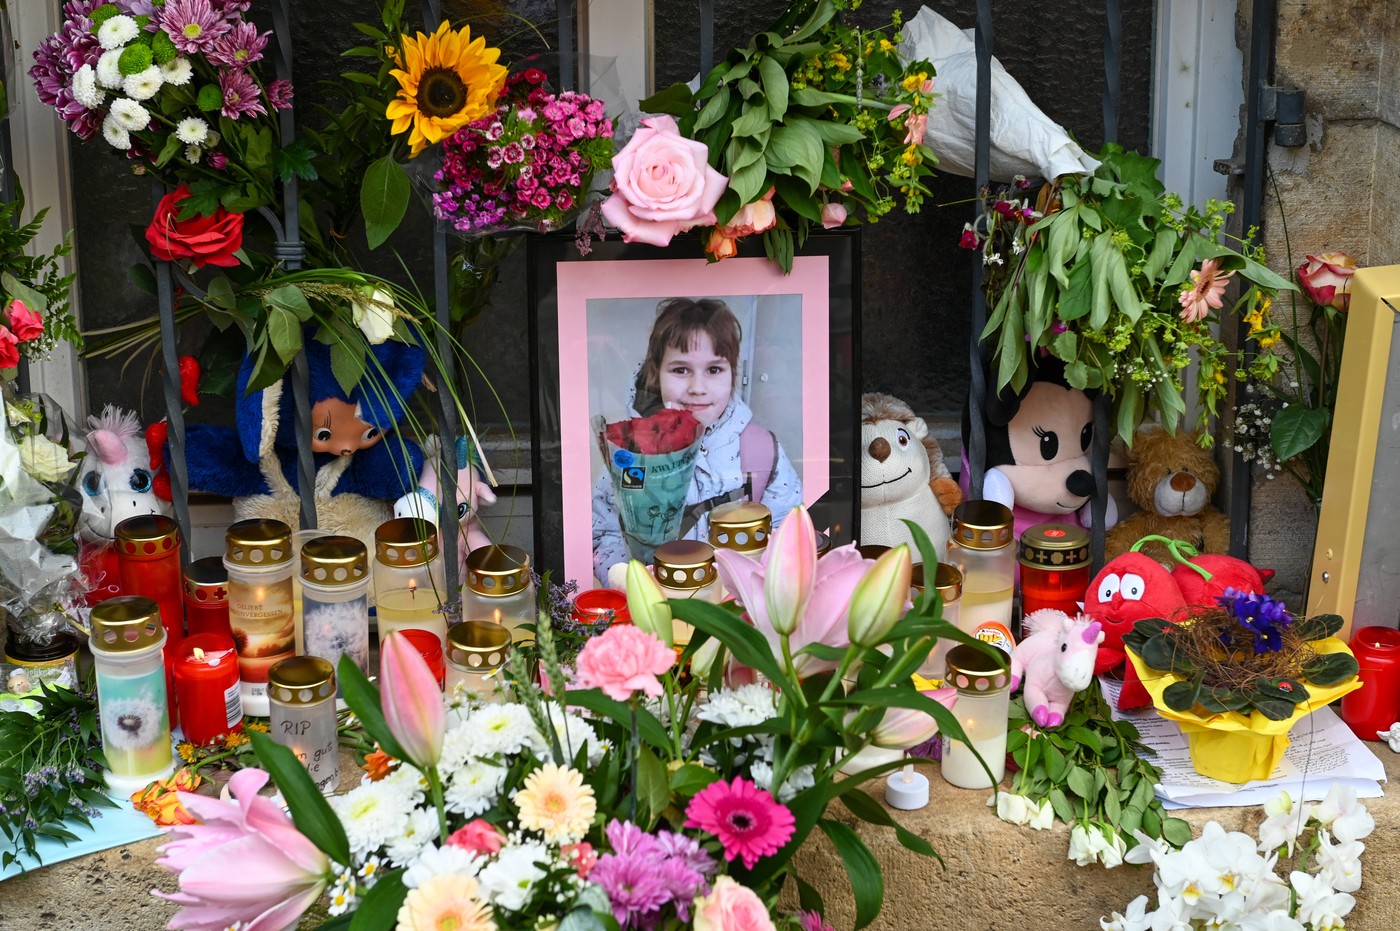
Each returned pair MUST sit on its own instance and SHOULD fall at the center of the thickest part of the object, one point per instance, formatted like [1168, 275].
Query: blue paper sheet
[112, 828]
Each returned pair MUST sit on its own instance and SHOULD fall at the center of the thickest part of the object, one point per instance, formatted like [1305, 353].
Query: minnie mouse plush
[1038, 448]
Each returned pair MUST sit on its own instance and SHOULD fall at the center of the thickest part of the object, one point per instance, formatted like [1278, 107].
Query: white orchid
[1284, 823]
[1134, 919]
[1340, 864]
[1320, 906]
[1340, 811]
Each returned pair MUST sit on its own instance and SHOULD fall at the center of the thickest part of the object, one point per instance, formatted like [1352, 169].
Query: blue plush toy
[362, 466]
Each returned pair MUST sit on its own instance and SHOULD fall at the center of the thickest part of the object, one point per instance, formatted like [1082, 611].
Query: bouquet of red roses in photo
[651, 461]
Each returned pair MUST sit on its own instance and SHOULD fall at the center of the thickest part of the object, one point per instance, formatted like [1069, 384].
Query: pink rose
[833, 215]
[662, 184]
[1327, 279]
[9, 349]
[721, 246]
[477, 836]
[731, 906]
[622, 661]
[26, 323]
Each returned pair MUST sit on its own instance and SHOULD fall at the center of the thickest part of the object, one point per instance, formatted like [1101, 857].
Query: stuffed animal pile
[902, 476]
[1172, 479]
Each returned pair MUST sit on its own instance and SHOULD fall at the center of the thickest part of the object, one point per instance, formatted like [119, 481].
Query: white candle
[961, 768]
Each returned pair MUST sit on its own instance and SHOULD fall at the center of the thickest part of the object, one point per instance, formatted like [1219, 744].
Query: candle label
[334, 629]
[233, 705]
[261, 618]
[134, 721]
[322, 763]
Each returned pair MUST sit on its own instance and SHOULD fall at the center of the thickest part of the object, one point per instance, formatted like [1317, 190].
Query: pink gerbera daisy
[745, 818]
[193, 25]
[1206, 291]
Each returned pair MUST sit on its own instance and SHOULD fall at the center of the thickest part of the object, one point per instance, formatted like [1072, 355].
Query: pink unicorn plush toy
[1056, 660]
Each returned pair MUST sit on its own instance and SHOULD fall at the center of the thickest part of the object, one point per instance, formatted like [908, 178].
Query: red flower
[9, 349]
[211, 240]
[25, 323]
[665, 431]
[189, 380]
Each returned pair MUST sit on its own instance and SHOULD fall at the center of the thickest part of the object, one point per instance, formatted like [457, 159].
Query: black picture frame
[836, 512]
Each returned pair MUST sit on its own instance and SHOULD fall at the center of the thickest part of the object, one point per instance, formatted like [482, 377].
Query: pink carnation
[477, 836]
[623, 661]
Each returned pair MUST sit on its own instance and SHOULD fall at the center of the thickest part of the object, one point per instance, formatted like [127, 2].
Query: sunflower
[446, 81]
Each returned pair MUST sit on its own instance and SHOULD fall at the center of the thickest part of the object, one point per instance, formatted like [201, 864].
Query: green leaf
[1319, 626]
[745, 644]
[748, 182]
[1275, 709]
[867, 884]
[348, 363]
[807, 97]
[363, 698]
[1176, 831]
[380, 906]
[691, 779]
[220, 293]
[1330, 668]
[1296, 429]
[830, 133]
[653, 787]
[1077, 296]
[808, 898]
[1081, 782]
[867, 809]
[383, 199]
[648, 726]
[310, 812]
[714, 109]
[753, 120]
[172, 147]
[291, 299]
[1181, 696]
[1055, 763]
[1060, 802]
[258, 148]
[32, 299]
[1185, 260]
[797, 144]
[284, 332]
[775, 86]
[677, 100]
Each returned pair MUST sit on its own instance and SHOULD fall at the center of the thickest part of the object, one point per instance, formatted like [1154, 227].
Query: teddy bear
[902, 476]
[1037, 448]
[1172, 479]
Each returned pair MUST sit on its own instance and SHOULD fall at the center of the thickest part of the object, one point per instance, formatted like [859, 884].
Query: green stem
[435, 788]
[788, 665]
[636, 754]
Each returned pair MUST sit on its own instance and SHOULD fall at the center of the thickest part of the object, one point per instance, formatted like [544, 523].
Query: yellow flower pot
[1235, 747]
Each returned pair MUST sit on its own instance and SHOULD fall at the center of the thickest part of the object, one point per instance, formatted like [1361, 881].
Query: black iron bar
[977, 433]
[707, 37]
[170, 383]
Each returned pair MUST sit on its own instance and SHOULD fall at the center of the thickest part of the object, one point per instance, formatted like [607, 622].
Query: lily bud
[902, 728]
[880, 597]
[412, 701]
[791, 571]
[647, 604]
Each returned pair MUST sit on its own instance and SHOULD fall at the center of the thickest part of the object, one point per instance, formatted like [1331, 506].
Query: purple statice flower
[239, 47]
[193, 25]
[241, 94]
[279, 94]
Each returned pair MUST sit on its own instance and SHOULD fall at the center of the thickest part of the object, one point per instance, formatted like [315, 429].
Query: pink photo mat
[579, 282]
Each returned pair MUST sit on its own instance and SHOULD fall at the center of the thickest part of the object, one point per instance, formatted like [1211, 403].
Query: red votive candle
[148, 564]
[206, 596]
[1376, 705]
[206, 687]
[1054, 562]
[592, 606]
[429, 647]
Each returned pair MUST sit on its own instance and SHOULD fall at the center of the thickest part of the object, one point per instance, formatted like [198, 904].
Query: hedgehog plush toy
[902, 476]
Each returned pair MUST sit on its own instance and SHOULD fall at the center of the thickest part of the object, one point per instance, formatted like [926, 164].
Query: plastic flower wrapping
[646, 787]
[39, 508]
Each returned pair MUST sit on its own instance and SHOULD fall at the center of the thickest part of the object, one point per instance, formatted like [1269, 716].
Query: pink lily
[902, 728]
[881, 597]
[243, 864]
[796, 577]
[412, 702]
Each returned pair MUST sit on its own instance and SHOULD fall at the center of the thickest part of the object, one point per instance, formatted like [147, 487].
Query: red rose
[211, 240]
[9, 349]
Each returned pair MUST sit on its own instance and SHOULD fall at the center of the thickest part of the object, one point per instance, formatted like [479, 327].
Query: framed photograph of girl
[667, 385]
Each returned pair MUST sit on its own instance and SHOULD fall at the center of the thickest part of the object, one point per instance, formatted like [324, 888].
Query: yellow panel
[1346, 497]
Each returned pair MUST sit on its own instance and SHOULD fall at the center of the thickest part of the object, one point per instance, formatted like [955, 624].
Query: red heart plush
[1130, 588]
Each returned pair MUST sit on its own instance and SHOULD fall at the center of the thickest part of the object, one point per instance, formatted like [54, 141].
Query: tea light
[984, 699]
[982, 544]
[947, 581]
[1054, 561]
[907, 790]
[741, 526]
[599, 604]
[335, 600]
[499, 588]
[148, 563]
[207, 687]
[128, 642]
[476, 653]
[410, 583]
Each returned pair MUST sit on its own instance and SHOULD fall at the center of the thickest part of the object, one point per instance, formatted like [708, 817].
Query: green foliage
[1092, 768]
[804, 109]
[51, 768]
[1092, 273]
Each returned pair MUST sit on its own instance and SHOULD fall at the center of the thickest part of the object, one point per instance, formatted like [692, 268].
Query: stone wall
[1338, 192]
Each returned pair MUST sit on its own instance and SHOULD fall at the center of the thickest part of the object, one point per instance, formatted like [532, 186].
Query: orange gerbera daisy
[446, 81]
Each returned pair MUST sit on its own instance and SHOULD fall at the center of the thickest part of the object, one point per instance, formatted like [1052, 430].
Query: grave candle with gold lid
[258, 557]
[410, 584]
[499, 589]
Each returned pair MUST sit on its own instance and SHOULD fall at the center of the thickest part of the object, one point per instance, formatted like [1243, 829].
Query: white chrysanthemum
[500, 729]
[474, 787]
[178, 71]
[407, 782]
[131, 115]
[574, 734]
[143, 85]
[193, 154]
[109, 71]
[132, 723]
[804, 777]
[85, 89]
[420, 829]
[741, 707]
[117, 31]
[507, 882]
[438, 861]
[116, 136]
[371, 814]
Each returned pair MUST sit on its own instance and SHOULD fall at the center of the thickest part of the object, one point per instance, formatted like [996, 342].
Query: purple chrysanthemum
[239, 47]
[688, 851]
[626, 839]
[193, 25]
[279, 94]
[634, 887]
[241, 94]
[216, 160]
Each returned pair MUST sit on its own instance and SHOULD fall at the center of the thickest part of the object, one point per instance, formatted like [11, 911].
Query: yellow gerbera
[446, 80]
